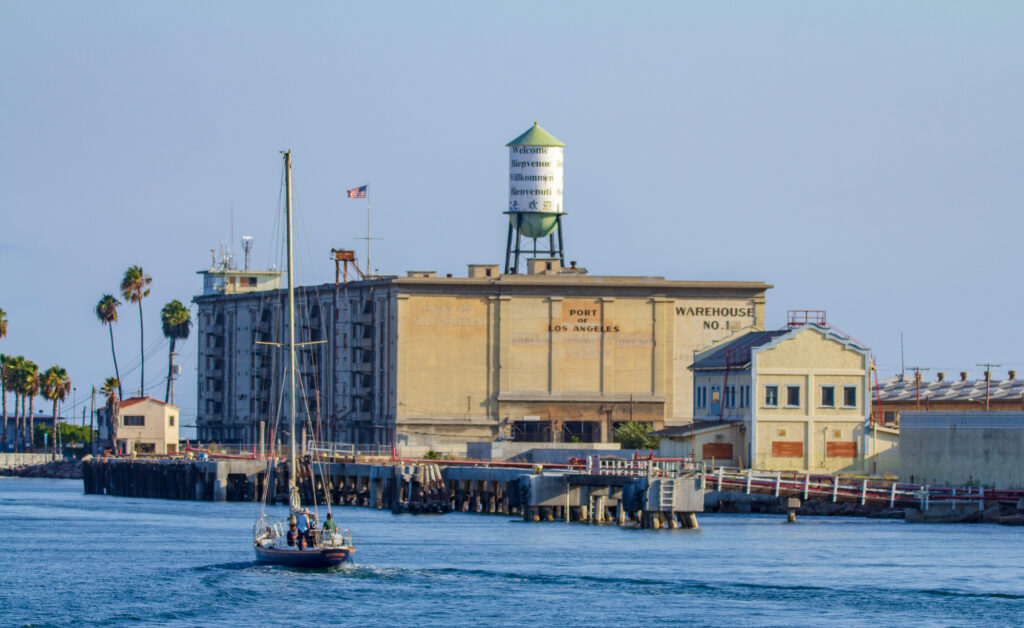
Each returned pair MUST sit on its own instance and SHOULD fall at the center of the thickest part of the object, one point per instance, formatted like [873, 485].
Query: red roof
[135, 400]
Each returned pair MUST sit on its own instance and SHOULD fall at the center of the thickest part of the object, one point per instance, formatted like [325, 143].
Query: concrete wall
[958, 448]
[8, 461]
[884, 451]
[481, 363]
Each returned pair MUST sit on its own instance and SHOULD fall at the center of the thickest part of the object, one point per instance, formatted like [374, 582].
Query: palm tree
[12, 382]
[5, 379]
[29, 389]
[55, 385]
[110, 388]
[176, 321]
[3, 323]
[106, 311]
[134, 288]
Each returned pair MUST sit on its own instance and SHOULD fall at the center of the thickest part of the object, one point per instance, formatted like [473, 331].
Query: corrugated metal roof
[892, 389]
[536, 136]
[716, 359]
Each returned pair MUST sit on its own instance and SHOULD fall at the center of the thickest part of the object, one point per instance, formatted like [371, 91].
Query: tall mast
[293, 489]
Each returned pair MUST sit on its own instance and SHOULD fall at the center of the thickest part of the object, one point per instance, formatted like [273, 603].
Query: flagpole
[369, 267]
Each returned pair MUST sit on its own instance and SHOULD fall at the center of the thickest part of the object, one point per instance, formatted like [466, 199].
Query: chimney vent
[963, 376]
[942, 376]
[1013, 374]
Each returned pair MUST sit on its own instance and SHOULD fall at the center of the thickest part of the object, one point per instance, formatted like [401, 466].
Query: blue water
[74, 559]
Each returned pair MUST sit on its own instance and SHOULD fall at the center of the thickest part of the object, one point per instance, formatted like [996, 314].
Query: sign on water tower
[535, 195]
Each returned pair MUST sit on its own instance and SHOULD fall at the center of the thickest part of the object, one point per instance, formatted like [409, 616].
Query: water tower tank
[535, 182]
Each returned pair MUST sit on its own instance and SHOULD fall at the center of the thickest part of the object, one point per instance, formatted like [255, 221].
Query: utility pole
[917, 382]
[988, 381]
[92, 416]
[172, 376]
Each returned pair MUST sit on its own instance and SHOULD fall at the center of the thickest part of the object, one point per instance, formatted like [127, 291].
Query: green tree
[69, 434]
[633, 435]
[55, 386]
[110, 389]
[134, 288]
[106, 311]
[3, 323]
[176, 321]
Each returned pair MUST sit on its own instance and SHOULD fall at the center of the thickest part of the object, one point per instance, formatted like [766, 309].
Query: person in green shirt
[329, 525]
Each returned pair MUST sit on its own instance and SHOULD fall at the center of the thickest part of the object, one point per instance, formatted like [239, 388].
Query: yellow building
[147, 426]
[791, 399]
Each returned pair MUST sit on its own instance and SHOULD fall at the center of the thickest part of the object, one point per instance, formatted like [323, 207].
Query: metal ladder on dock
[666, 495]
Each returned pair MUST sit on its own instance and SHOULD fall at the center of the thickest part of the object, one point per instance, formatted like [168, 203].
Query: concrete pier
[533, 494]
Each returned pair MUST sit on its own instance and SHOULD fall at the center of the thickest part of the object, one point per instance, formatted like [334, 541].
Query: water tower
[534, 196]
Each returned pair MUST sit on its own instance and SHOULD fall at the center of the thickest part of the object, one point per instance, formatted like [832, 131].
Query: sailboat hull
[308, 558]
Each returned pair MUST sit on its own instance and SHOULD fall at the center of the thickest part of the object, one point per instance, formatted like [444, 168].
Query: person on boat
[293, 534]
[303, 525]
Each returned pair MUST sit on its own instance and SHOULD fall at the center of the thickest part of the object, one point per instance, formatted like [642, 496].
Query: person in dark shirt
[293, 535]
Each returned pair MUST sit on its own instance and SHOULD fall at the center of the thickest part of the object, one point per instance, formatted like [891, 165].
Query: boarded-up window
[788, 448]
[718, 451]
[841, 449]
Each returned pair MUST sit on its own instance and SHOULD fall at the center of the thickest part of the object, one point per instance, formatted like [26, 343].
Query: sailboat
[279, 542]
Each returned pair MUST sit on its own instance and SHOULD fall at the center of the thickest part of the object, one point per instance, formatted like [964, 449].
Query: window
[849, 396]
[771, 396]
[744, 396]
[730, 396]
[134, 420]
[792, 396]
[702, 397]
[828, 396]
[170, 421]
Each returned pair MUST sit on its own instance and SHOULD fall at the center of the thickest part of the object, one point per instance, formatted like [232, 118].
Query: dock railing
[844, 488]
[643, 468]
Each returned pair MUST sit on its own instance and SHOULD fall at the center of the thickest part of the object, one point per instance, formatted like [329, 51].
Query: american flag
[359, 192]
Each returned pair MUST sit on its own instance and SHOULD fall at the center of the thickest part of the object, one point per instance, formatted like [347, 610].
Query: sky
[864, 158]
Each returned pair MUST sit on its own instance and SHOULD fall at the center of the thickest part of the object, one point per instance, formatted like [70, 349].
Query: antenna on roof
[247, 247]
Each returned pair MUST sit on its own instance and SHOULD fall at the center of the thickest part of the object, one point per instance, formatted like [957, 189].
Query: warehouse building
[553, 354]
[900, 394]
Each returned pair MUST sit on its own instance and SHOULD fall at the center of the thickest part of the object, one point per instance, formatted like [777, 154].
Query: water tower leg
[561, 247]
[519, 239]
[508, 248]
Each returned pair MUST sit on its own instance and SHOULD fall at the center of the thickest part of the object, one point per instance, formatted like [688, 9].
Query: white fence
[9, 461]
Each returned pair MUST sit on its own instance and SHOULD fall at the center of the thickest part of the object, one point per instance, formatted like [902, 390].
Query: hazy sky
[865, 158]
